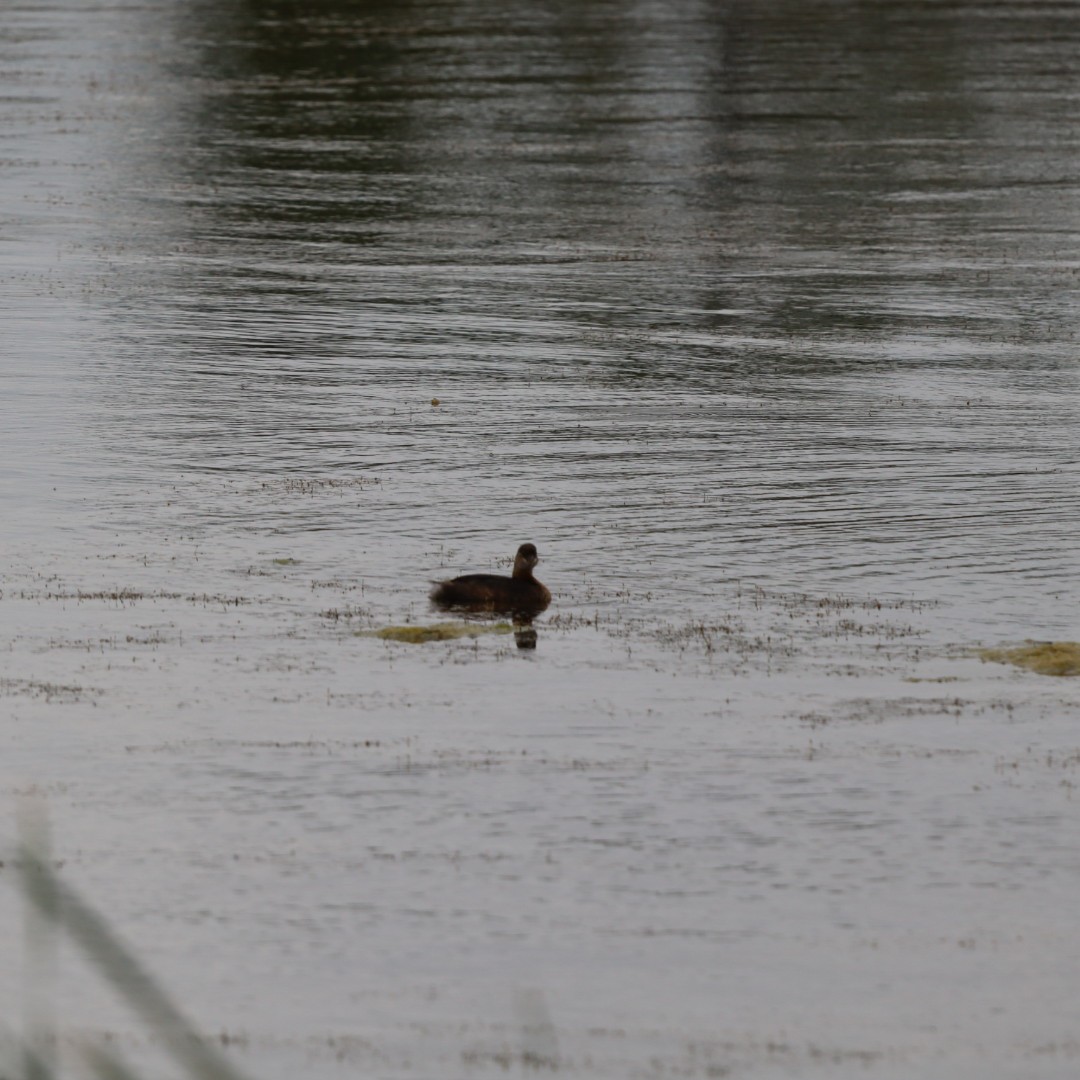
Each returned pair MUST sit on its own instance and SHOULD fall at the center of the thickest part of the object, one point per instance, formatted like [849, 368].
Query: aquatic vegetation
[48, 691]
[125, 597]
[299, 485]
[346, 611]
[1042, 657]
[446, 631]
[286, 562]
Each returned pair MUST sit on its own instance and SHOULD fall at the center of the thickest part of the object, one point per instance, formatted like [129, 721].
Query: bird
[520, 593]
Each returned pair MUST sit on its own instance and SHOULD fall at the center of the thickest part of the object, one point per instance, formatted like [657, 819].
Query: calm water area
[758, 319]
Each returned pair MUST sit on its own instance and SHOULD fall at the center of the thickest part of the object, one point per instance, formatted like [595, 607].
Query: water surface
[757, 320]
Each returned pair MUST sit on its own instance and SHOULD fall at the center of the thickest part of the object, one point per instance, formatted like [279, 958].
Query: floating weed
[865, 711]
[447, 631]
[151, 638]
[48, 691]
[313, 746]
[286, 562]
[709, 636]
[207, 599]
[755, 622]
[1042, 657]
[125, 596]
[117, 596]
[568, 620]
[295, 485]
[346, 612]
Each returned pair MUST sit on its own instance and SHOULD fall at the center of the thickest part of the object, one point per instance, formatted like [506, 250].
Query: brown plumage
[519, 594]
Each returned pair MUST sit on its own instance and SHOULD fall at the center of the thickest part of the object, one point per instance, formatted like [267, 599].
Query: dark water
[759, 319]
[778, 294]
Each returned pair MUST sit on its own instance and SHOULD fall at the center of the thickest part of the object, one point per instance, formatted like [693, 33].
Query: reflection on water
[758, 318]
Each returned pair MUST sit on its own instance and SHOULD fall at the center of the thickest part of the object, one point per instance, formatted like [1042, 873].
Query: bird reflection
[524, 633]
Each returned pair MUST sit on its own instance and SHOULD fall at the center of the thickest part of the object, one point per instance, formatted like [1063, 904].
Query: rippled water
[758, 320]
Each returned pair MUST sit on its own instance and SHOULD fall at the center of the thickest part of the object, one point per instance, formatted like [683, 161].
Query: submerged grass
[446, 631]
[1042, 657]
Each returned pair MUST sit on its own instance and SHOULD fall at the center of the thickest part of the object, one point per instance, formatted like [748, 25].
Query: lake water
[759, 320]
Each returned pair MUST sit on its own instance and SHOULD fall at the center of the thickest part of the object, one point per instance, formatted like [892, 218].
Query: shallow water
[759, 322]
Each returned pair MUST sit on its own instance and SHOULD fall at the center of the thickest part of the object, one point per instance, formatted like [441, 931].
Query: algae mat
[1042, 657]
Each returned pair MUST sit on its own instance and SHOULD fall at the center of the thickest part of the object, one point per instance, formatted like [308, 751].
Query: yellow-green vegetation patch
[287, 562]
[1042, 657]
[443, 631]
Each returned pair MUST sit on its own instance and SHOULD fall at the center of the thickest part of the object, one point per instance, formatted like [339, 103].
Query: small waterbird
[520, 593]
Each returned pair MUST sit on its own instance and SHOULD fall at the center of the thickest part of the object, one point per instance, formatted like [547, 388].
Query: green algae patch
[286, 562]
[444, 631]
[1042, 657]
